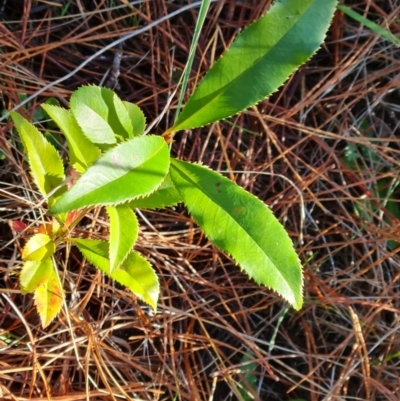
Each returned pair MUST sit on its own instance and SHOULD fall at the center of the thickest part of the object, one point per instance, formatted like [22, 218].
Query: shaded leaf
[82, 152]
[45, 163]
[137, 117]
[135, 273]
[48, 299]
[165, 195]
[241, 225]
[132, 169]
[34, 274]
[259, 61]
[124, 230]
[39, 247]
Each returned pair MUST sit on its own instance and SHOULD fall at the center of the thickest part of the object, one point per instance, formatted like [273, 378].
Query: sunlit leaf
[34, 274]
[137, 117]
[45, 163]
[49, 299]
[118, 116]
[259, 61]
[241, 225]
[39, 247]
[124, 230]
[132, 169]
[135, 273]
[91, 112]
[82, 152]
[165, 195]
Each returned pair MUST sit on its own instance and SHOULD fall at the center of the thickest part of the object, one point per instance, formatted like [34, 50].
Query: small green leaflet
[48, 299]
[91, 113]
[259, 61]
[137, 117]
[124, 230]
[82, 152]
[39, 247]
[45, 163]
[135, 273]
[132, 169]
[118, 115]
[243, 226]
[35, 274]
[165, 195]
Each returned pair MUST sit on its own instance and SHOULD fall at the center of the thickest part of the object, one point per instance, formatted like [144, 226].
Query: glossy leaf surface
[165, 195]
[118, 116]
[132, 169]
[259, 61]
[45, 163]
[91, 112]
[34, 274]
[124, 230]
[241, 225]
[82, 152]
[48, 299]
[39, 247]
[135, 273]
[137, 118]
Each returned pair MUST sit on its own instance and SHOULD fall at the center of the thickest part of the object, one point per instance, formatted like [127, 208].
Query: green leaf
[82, 152]
[39, 247]
[95, 251]
[91, 112]
[135, 273]
[259, 61]
[48, 299]
[118, 116]
[137, 118]
[243, 226]
[124, 230]
[45, 163]
[34, 274]
[165, 195]
[132, 169]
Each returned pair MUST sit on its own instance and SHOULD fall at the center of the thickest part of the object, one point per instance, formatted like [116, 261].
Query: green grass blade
[369, 24]
[205, 4]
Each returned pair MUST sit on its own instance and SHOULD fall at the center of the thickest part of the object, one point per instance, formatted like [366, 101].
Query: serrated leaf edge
[233, 258]
[122, 202]
[172, 130]
[110, 274]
